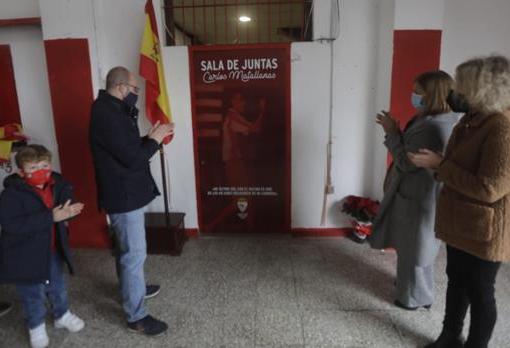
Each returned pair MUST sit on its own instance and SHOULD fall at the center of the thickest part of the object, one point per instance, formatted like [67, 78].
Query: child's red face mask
[37, 174]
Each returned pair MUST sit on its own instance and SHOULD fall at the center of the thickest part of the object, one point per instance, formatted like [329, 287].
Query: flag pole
[165, 187]
[156, 98]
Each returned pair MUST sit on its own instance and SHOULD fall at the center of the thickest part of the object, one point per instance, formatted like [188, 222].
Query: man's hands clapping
[160, 131]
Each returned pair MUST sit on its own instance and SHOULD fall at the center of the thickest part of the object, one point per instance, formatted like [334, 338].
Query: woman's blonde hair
[485, 82]
[436, 85]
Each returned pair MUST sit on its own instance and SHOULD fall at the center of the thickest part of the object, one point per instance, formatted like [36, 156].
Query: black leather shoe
[446, 340]
[148, 326]
[5, 307]
[152, 291]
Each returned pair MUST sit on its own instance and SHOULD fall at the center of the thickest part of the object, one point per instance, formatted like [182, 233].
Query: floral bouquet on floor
[363, 211]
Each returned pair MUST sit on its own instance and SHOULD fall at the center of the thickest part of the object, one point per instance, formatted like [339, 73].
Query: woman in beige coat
[473, 211]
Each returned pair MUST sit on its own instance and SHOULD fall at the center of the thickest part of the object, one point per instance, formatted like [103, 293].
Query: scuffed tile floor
[255, 291]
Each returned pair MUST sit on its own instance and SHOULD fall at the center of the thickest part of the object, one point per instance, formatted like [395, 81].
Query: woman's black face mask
[457, 102]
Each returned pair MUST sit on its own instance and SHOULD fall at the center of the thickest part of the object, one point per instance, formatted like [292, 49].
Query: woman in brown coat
[473, 211]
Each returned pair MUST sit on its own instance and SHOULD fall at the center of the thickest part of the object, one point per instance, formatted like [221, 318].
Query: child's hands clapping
[67, 211]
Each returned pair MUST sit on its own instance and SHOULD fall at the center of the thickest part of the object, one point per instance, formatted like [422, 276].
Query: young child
[34, 208]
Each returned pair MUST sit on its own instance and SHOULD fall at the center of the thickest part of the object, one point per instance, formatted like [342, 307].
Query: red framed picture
[241, 125]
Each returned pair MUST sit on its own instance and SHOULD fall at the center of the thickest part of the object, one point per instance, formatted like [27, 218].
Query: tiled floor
[256, 291]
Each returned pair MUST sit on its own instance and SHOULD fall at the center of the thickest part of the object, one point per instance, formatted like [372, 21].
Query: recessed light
[244, 19]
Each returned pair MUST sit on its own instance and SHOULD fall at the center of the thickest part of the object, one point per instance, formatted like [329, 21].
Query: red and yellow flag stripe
[151, 68]
[9, 134]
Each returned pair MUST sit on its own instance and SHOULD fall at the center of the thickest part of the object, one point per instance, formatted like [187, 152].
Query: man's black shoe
[5, 307]
[152, 291]
[148, 326]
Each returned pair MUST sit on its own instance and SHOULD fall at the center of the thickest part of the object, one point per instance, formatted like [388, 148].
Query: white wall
[363, 56]
[322, 15]
[29, 66]
[358, 161]
[474, 28]
[10, 9]
[355, 135]
[382, 99]
[114, 36]
[309, 124]
[355, 92]
[179, 153]
[419, 14]
[72, 19]
[32, 88]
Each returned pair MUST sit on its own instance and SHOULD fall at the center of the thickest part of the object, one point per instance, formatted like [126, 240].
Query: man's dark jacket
[121, 156]
[27, 227]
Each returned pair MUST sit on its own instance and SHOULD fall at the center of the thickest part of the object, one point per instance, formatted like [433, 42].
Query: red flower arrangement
[363, 211]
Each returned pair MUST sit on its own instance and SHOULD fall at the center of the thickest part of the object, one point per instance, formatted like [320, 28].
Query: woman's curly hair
[485, 82]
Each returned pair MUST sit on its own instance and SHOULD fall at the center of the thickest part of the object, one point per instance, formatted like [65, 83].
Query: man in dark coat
[126, 186]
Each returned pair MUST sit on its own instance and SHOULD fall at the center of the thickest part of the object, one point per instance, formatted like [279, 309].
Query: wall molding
[295, 232]
[14, 22]
[321, 232]
[192, 232]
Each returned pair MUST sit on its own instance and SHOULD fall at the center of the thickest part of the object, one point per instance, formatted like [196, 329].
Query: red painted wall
[9, 107]
[414, 52]
[69, 72]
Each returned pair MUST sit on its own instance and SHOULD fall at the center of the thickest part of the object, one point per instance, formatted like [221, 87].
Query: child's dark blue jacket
[27, 227]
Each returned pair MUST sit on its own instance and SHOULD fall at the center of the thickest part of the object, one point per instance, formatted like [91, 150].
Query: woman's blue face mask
[417, 101]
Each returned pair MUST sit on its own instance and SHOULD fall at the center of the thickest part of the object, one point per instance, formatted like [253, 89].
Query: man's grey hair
[116, 76]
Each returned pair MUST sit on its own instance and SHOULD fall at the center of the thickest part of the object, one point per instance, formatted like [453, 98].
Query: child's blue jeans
[33, 297]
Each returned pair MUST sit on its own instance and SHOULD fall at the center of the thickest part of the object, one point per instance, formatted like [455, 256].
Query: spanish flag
[151, 69]
[9, 134]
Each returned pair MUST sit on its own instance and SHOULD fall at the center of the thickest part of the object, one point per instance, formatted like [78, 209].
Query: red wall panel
[414, 52]
[69, 72]
[9, 107]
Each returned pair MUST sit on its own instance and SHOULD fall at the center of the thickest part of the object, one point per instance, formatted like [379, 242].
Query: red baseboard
[321, 232]
[192, 232]
[295, 232]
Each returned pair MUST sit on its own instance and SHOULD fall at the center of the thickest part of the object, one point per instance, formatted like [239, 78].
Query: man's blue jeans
[33, 296]
[129, 231]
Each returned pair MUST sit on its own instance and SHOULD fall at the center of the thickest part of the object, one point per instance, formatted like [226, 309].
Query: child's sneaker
[70, 322]
[39, 337]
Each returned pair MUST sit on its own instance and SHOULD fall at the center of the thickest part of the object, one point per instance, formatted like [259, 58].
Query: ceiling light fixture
[244, 19]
